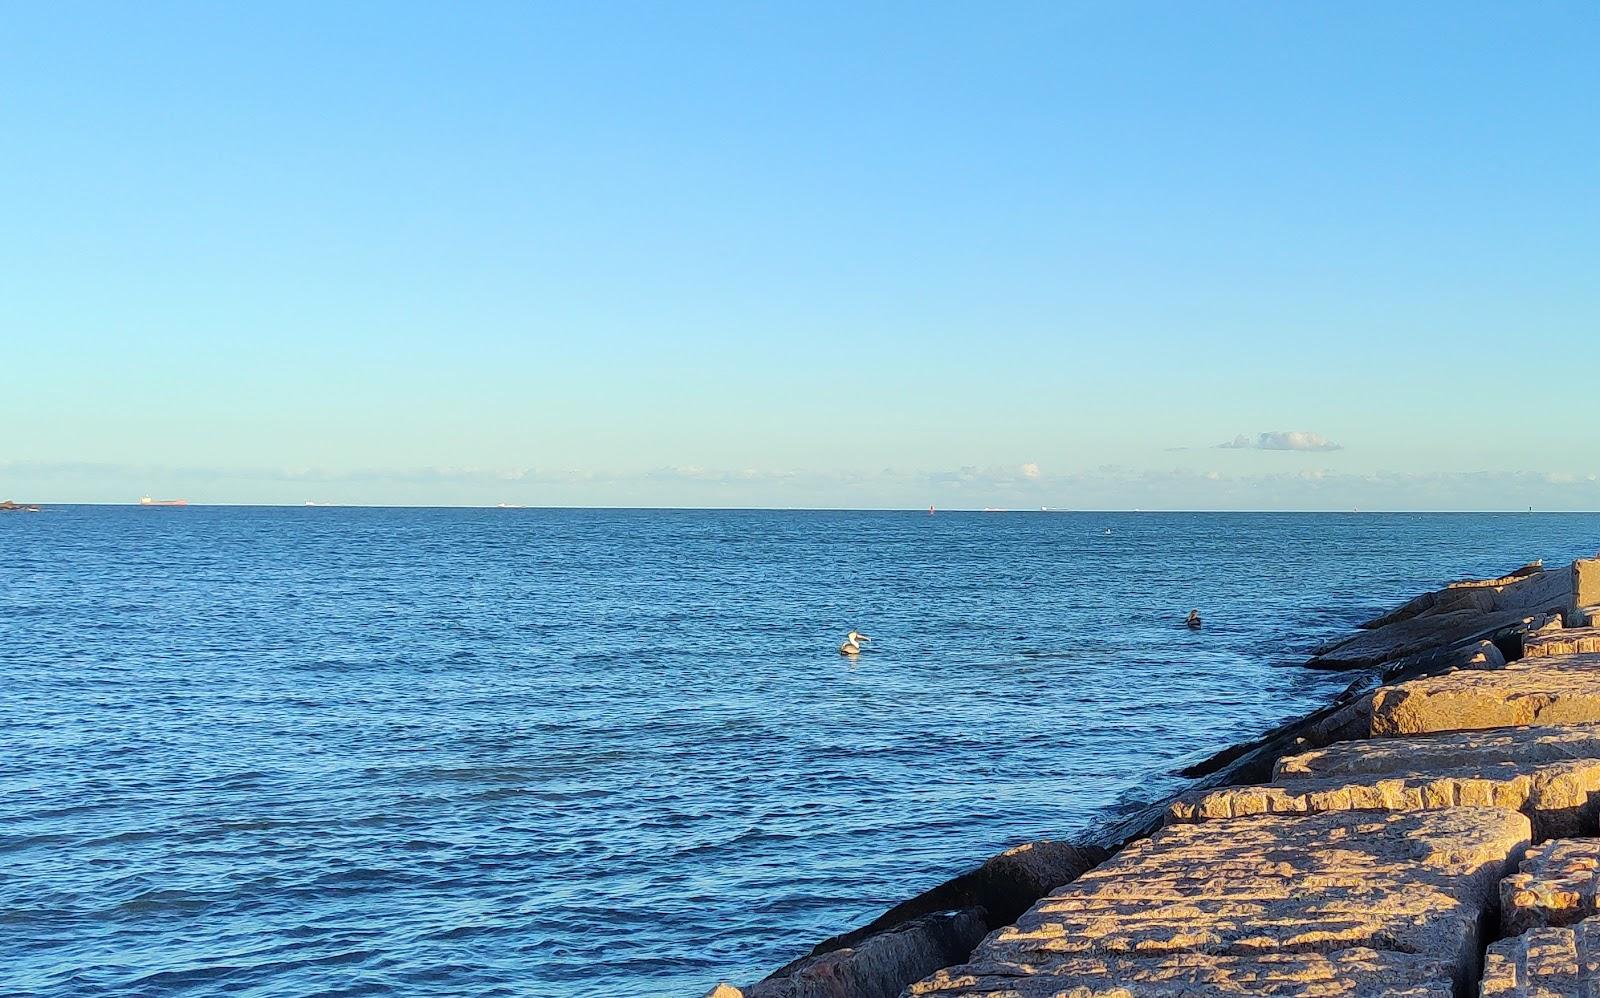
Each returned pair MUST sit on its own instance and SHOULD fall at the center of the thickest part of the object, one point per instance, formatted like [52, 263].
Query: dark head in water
[1194, 620]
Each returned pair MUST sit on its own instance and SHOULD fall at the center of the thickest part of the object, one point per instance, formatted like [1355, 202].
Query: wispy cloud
[1300, 440]
[1029, 484]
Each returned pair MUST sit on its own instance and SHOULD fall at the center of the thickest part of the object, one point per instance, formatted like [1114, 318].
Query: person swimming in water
[1193, 620]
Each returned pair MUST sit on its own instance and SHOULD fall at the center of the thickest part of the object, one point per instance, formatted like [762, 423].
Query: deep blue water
[291, 751]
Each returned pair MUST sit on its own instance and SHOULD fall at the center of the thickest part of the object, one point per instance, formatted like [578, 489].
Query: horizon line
[809, 509]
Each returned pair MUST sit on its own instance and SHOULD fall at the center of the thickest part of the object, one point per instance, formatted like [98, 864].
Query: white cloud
[1018, 486]
[1300, 440]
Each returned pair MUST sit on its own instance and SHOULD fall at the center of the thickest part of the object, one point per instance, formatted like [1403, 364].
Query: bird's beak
[863, 637]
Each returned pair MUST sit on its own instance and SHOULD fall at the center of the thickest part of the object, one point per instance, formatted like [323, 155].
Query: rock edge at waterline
[1264, 886]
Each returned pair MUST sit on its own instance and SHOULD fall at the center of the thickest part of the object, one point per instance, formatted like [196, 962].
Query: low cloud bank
[1300, 440]
[1015, 486]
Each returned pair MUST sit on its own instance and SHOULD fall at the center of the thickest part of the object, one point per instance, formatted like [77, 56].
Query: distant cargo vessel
[147, 501]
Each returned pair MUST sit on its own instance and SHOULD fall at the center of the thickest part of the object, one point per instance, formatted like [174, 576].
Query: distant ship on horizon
[147, 501]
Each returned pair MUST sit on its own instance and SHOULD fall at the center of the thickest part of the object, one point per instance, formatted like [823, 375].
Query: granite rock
[1420, 635]
[881, 965]
[1415, 883]
[1561, 689]
[994, 894]
[1562, 641]
[1479, 594]
[1550, 773]
[1545, 963]
[1556, 884]
[1352, 973]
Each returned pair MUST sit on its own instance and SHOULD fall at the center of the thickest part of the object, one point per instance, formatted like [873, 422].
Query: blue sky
[802, 254]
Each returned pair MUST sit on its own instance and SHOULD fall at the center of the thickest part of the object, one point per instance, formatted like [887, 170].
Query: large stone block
[936, 928]
[1529, 585]
[1565, 641]
[1586, 582]
[1416, 883]
[881, 965]
[1545, 963]
[1557, 884]
[1562, 689]
[1552, 774]
[1414, 636]
[1352, 973]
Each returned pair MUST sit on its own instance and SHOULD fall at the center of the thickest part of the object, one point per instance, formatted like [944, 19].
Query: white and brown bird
[852, 643]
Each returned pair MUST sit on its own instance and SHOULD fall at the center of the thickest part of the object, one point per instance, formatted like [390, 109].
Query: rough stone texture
[1002, 888]
[1252, 761]
[724, 990]
[1536, 744]
[1482, 655]
[1561, 689]
[882, 965]
[1480, 594]
[1586, 582]
[1347, 718]
[1545, 963]
[1459, 614]
[1556, 884]
[998, 891]
[1552, 774]
[1414, 883]
[1410, 637]
[1352, 973]
[1566, 641]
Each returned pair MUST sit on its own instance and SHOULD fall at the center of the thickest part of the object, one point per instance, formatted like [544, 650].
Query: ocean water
[294, 751]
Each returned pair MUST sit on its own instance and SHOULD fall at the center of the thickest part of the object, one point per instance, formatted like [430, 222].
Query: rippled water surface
[264, 751]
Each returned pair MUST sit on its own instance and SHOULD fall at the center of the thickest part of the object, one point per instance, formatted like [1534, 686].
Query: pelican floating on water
[852, 643]
[1193, 620]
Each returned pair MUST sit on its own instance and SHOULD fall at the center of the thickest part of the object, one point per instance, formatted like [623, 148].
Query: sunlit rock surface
[935, 929]
[1556, 884]
[1460, 614]
[1545, 963]
[882, 964]
[1567, 641]
[1550, 773]
[1560, 689]
[1353, 973]
[1415, 883]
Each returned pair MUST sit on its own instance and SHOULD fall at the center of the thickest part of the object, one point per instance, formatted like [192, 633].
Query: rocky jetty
[935, 929]
[1501, 610]
[1416, 884]
[1556, 689]
[1544, 963]
[1550, 774]
[1557, 884]
[1434, 832]
[8, 506]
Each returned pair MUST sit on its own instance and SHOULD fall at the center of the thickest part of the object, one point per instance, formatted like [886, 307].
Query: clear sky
[802, 254]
